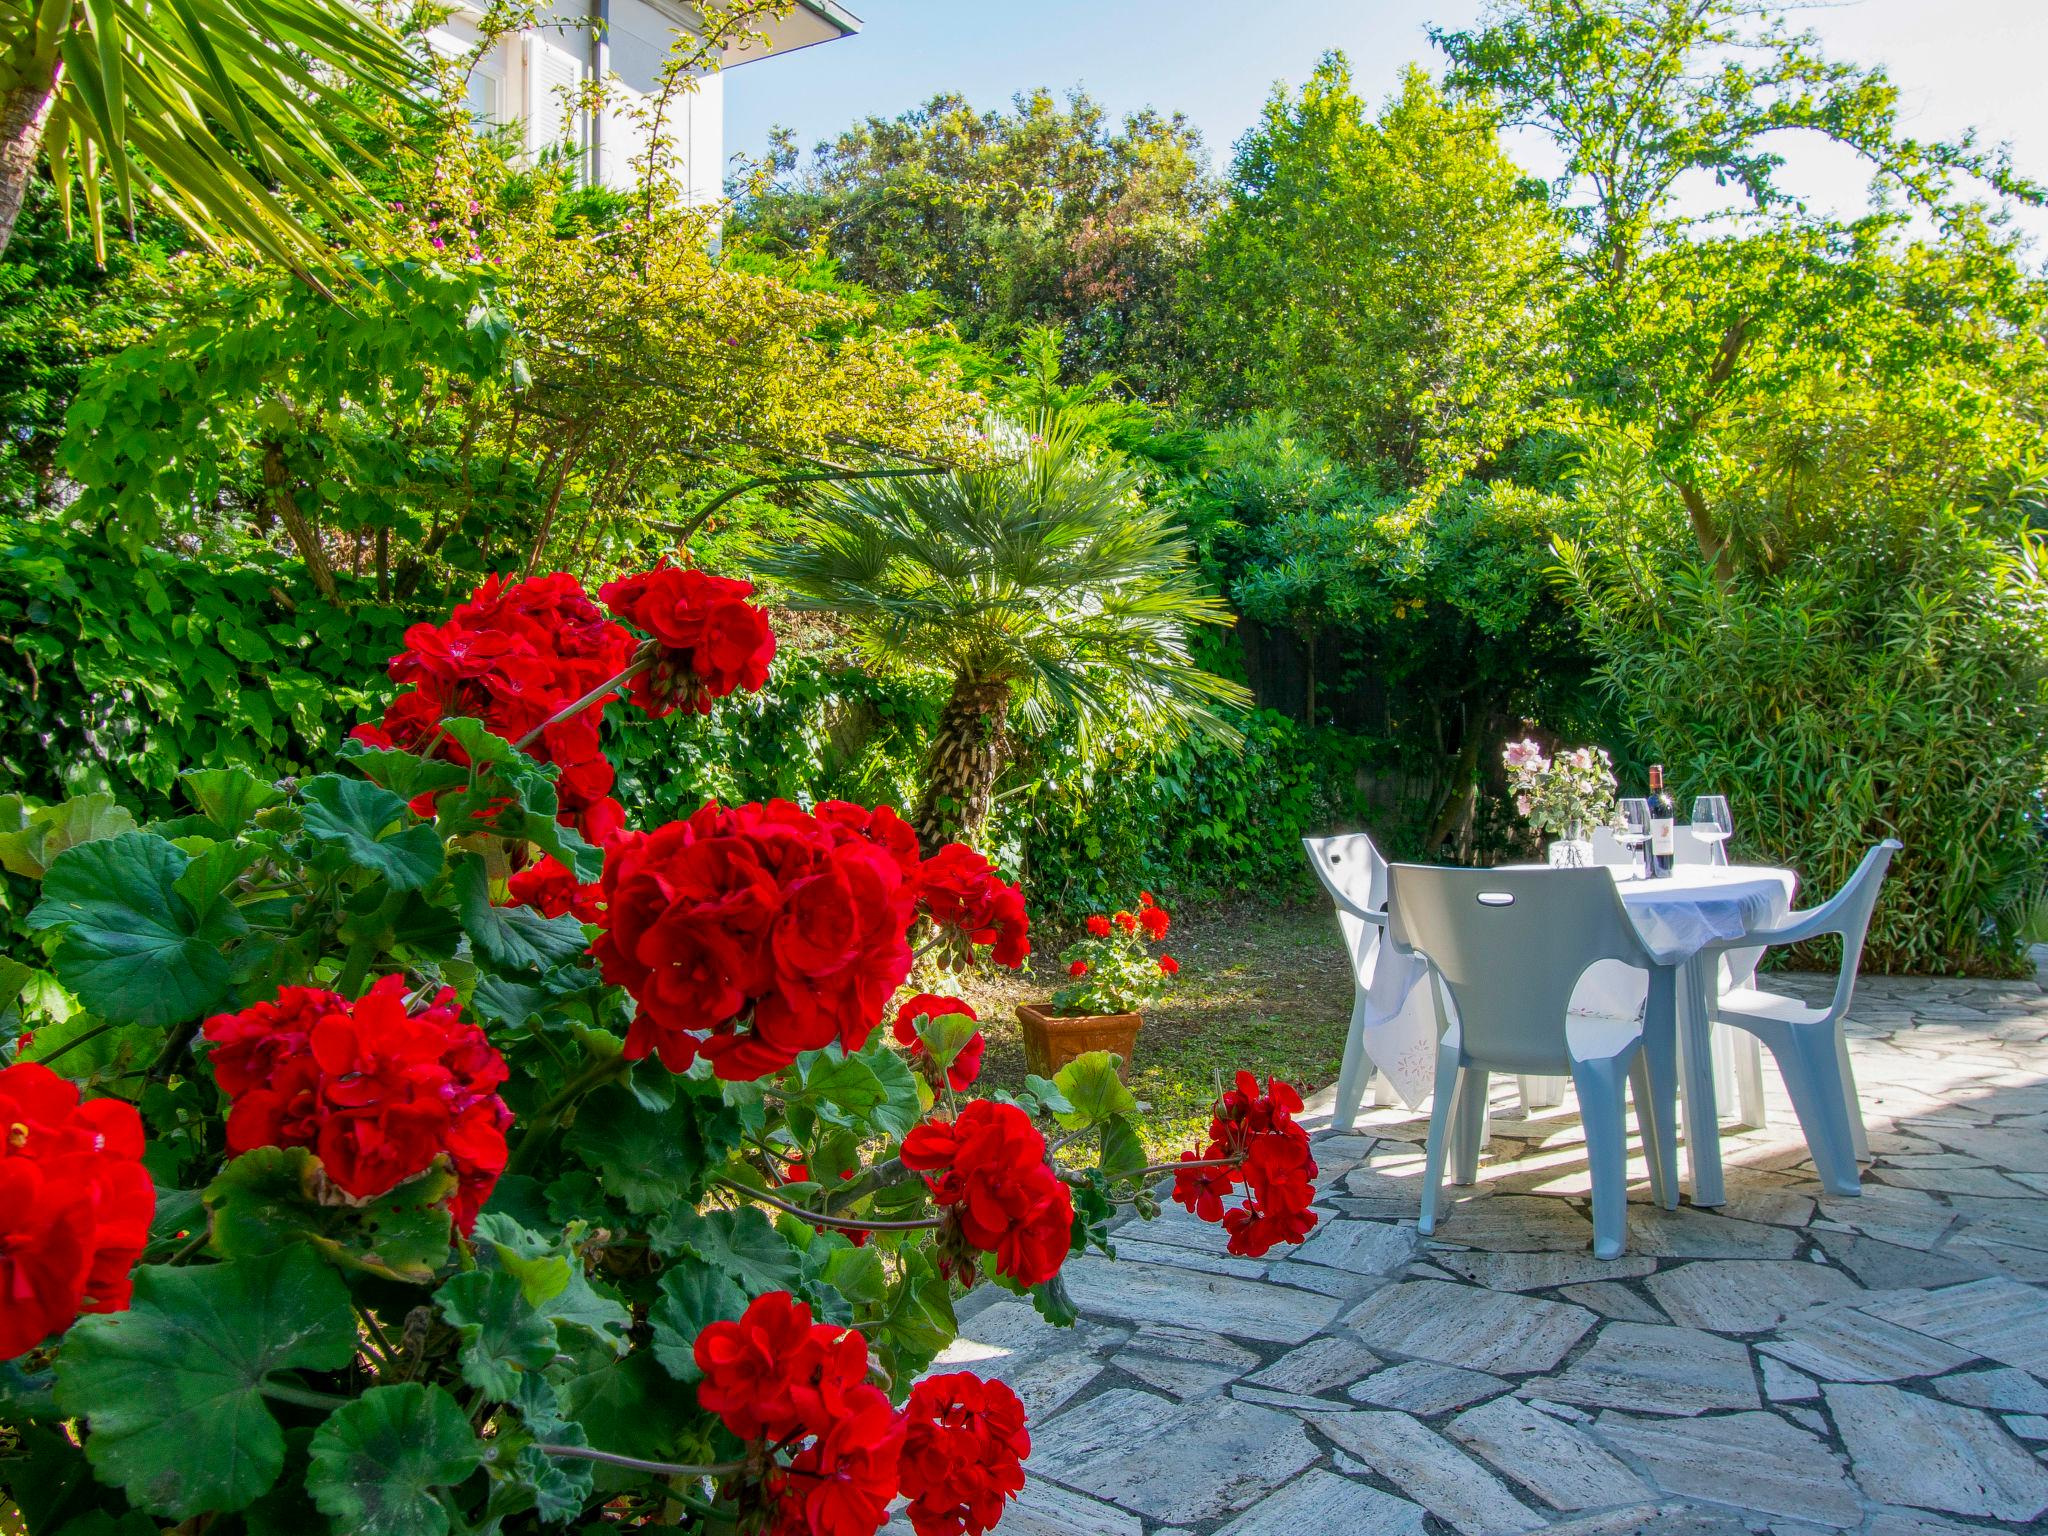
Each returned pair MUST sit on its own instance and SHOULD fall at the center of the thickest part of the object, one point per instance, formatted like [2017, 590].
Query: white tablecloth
[1696, 905]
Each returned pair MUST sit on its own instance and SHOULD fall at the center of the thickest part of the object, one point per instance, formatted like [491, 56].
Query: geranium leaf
[917, 1318]
[229, 797]
[741, 1244]
[403, 773]
[31, 838]
[947, 1035]
[551, 1277]
[369, 827]
[1090, 1085]
[503, 1337]
[272, 1197]
[1122, 1149]
[558, 1487]
[858, 1274]
[132, 948]
[172, 1389]
[511, 938]
[378, 1460]
[630, 1406]
[842, 1090]
[902, 1103]
[654, 1159]
[693, 1293]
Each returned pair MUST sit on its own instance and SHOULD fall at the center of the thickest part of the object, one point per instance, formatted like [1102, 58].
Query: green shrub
[1886, 686]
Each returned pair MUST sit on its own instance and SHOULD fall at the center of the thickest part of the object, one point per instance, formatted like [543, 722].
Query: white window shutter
[551, 69]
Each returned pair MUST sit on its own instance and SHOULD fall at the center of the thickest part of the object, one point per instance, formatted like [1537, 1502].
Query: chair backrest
[1688, 847]
[1848, 912]
[1608, 849]
[1352, 869]
[1510, 946]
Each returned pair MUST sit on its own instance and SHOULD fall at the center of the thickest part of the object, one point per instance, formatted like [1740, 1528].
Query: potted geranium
[1567, 795]
[1113, 974]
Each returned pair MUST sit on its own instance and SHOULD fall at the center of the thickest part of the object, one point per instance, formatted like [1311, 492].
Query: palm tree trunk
[23, 111]
[960, 769]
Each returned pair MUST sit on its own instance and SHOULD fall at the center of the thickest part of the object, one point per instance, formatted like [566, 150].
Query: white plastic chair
[1608, 849]
[1808, 1044]
[1510, 947]
[1355, 874]
[1688, 847]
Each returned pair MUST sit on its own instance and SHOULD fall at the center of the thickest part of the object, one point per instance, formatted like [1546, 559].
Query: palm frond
[1049, 572]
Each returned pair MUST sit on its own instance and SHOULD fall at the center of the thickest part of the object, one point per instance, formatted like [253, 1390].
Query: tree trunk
[23, 111]
[277, 494]
[961, 767]
[1463, 786]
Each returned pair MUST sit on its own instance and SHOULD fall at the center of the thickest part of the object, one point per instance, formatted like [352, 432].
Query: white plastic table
[1679, 916]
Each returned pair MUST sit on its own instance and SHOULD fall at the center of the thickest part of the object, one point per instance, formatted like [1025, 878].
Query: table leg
[1696, 1079]
[1660, 1053]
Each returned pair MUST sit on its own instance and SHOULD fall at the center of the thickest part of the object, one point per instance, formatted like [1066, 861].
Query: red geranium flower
[551, 890]
[1255, 1141]
[841, 1483]
[1155, 922]
[1098, 925]
[775, 1373]
[966, 1066]
[958, 888]
[1127, 921]
[709, 640]
[963, 1454]
[988, 1167]
[1168, 966]
[75, 1205]
[375, 1091]
[1078, 968]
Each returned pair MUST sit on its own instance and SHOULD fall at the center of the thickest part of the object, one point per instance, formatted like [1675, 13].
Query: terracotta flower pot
[1052, 1040]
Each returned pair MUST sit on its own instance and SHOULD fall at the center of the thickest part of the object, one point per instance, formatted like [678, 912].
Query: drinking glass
[1634, 831]
[1712, 824]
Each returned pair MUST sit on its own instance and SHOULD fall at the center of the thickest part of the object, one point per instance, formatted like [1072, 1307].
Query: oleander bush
[419, 1146]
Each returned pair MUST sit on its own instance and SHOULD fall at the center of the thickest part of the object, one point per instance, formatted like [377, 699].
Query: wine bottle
[1663, 824]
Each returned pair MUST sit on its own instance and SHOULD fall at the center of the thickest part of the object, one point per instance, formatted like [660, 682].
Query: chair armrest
[1796, 927]
[1346, 905]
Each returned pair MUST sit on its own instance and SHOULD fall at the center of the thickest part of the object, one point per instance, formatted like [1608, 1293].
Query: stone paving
[1791, 1363]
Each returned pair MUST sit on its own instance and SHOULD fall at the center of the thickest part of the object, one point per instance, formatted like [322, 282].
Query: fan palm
[1044, 584]
[214, 109]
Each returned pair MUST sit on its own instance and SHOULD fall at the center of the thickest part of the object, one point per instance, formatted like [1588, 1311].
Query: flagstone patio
[1790, 1363]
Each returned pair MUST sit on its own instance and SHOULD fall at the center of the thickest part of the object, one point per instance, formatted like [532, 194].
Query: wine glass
[1634, 830]
[1712, 824]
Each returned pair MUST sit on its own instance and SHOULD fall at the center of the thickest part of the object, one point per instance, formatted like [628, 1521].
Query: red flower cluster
[777, 1376]
[512, 657]
[966, 1066]
[1270, 1157]
[751, 934]
[709, 640]
[1002, 1197]
[377, 1092]
[1152, 917]
[963, 1454]
[75, 1205]
[958, 888]
[551, 890]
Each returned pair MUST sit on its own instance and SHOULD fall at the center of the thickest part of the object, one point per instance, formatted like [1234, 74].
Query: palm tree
[1043, 584]
[212, 108]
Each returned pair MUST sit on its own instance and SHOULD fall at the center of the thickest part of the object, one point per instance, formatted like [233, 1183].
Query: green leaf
[1090, 1084]
[551, 1278]
[631, 1406]
[1122, 1149]
[172, 1389]
[503, 1337]
[229, 797]
[858, 1274]
[742, 1245]
[273, 1197]
[902, 1105]
[403, 773]
[511, 938]
[378, 1461]
[369, 827]
[917, 1321]
[654, 1159]
[693, 1293]
[946, 1036]
[1048, 1094]
[843, 1090]
[31, 839]
[132, 948]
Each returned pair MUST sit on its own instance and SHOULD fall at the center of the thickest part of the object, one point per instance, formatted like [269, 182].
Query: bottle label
[1663, 840]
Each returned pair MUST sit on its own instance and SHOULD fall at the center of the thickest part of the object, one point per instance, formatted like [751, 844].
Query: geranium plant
[1568, 795]
[419, 1147]
[1112, 967]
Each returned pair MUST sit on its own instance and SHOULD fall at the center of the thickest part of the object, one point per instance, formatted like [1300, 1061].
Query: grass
[1261, 987]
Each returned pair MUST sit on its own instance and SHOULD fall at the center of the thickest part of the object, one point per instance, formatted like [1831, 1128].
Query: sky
[1959, 63]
